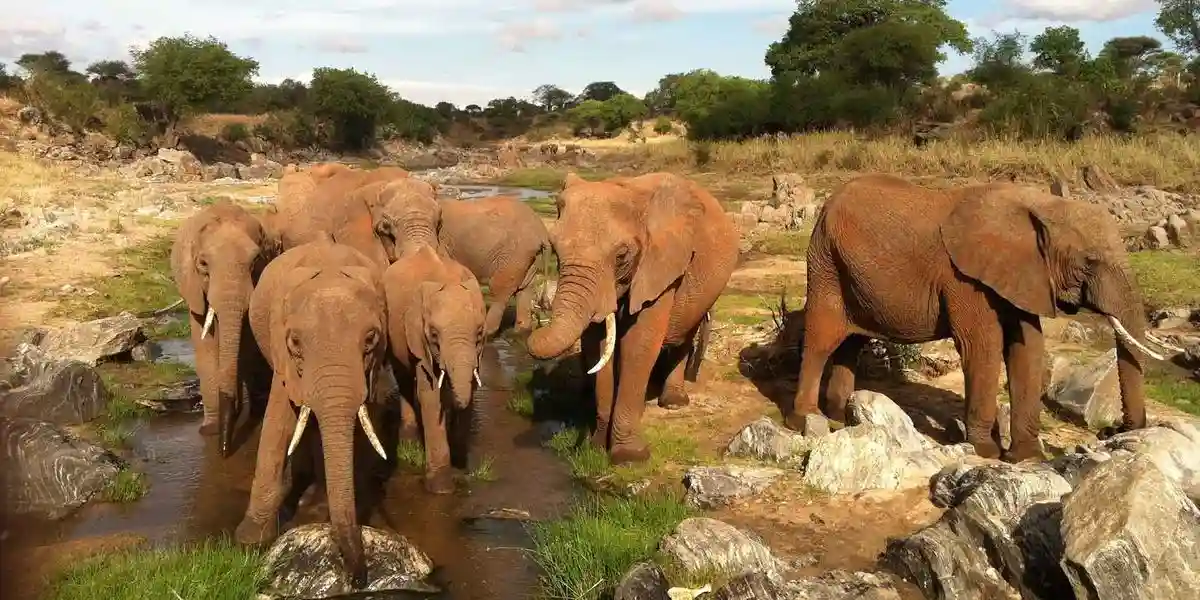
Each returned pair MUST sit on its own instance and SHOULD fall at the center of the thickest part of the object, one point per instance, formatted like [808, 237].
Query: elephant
[216, 259]
[435, 318]
[318, 315]
[980, 264]
[498, 238]
[642, 259]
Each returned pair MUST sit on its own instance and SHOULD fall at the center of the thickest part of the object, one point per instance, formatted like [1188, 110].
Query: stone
[716, 487]
[49, 472]
[66, 392]
[305, 562]
[815, 426]
[1173, 445]
[869, 457]
[1089, 394]
[91, 342]
[1177, 231]
[1129, 532]
[841, 585]
[873, 408]
[1172, 318]
[995, 512]
[643, 581]
[789, 188]
[1076, 333]
[1060, 188]
[703, 545]
[182, 397]
[750, 586]
[764, 439]
[1098, 180]
[1157, 238]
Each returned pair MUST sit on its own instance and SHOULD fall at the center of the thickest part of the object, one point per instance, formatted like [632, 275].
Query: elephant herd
[354, 276]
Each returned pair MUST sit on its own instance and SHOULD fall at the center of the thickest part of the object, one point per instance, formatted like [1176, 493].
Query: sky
[470, 51]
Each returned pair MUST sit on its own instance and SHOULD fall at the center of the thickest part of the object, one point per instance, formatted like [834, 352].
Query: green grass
[584, 554]
[172, 329]
[1167, 279]
[144, 284]
[211, 570]
[410, 455]
[128, 486]
[544, 207]
[1183, 394]
[520, 401]
[485, 470]
[589, 463]
[783, 243]
[547, 179]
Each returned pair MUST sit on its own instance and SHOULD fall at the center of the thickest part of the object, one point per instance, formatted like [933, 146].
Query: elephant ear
[1003, 244]
[415, 320]
[572, 179]
[280, 306]
[191, 284]
[271, 241]
[667, 243]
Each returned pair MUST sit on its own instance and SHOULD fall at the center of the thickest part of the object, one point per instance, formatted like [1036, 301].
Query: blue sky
[469, 51]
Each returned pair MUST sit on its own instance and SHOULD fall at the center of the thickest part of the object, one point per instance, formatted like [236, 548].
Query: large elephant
[318, 314]
[436, 326]
[979, 264]
[216, 260]
[641, 261]
[499, 238]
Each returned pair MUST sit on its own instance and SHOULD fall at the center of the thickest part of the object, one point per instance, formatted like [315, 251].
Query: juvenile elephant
[216, 260]
[979, 264]
[318, 315]
[499, 238]
[641, 261]
[435, 323]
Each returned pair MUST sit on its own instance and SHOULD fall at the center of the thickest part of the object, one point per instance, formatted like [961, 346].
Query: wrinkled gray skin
[216, 259]
[318, 314]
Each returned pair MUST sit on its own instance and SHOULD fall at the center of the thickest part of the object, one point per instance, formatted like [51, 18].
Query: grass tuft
[128, 486]
[410, 455]
[484, 471]
[1183, 394]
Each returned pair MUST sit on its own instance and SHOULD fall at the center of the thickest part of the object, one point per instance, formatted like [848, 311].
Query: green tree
[189, 74]
[606, 118]
[354, 103]
[110, 70]
[51, 62]
[552, 98]
[661, 100]
[1179, 20]
[600, 90]
[1059, 50]
[1000, 62]
[8, 81]
[1129, 56]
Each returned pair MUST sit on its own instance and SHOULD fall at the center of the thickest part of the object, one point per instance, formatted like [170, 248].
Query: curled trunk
[415, 234]
[571, 313]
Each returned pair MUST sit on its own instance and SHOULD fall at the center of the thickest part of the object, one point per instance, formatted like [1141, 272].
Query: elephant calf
[318, 315]
[436, 326]
[216, 259]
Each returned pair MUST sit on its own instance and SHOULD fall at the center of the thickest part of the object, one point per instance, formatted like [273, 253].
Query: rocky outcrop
[765, 439]
[91, 342]
[49, 472]
[792, 204]
[65, 392]
[643, 581]
[708, 545]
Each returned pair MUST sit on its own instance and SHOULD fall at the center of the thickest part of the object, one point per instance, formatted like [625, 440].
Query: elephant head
[216, 264]
[328, 344]
[405, 213]
[1045, 254]
[620, 241]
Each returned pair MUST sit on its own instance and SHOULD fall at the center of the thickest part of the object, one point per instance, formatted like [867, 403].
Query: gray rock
[815, 426]
[1130, 533]
[1076, 333]
[715, 487]
[1173, 445]
[93, 341]
[182, 397]
[998, 539]
[1177, 231]
[700, 544]
[1157, 238]
[840, 585]
[51, 473]
[873, 408]
[65, 392]
[789, 188]
[750, 586]
[868, 457]
[305, 562]
[1172, 318]
[765, 439]
[643, 581]
[1089, 394]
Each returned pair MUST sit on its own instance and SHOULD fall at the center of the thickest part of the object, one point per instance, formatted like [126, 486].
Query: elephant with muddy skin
[436, 327]
[641, 261]
[216, 259]
[979, 264]
[499, 238]
[318, 314]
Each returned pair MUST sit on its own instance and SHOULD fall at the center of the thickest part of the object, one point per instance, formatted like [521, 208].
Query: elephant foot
[811, 424]
[1112, 430]
[599, 438]
[674, 398]
[210, 427]
[986, 449]
[630, 453]
[439, 482]
[250, 532]
[1022, 453]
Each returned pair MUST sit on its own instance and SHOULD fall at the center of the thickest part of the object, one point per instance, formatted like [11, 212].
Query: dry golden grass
[211, 125]
[1168, 161]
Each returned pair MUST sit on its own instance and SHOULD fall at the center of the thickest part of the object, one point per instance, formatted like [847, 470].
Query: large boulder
[1087, 394]
[91, 342]
[65, 392]
[702, 545]
[715, 487]
[765, 439]
[51, 473]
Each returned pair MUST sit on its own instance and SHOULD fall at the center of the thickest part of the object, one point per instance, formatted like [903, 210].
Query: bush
[289, 129]
[235, 132]
[76, 105]
[353, 103]
[663, 126]
[123, 124]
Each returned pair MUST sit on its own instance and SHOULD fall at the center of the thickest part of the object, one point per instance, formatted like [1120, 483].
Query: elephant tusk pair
[1123, 334]
[209, 318]
[610, 343]
[363, 418]
[478, 381]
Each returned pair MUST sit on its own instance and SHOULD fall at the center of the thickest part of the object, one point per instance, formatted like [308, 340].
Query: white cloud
[515, 35]
[655, 10]
[340, 45]
[1078, 10]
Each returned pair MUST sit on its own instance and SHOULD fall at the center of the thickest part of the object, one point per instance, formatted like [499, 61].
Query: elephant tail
[692, 369]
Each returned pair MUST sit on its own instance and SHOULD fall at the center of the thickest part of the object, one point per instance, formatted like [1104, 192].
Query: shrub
[122, 123]
[235, 132]
[289, 129]
[663, 126]
[74, 104]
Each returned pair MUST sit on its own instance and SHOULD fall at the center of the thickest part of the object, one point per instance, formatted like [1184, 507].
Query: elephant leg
[410, 429]
[674, 394]
[825, 329]
[438, 477]
[261, 522]
[525, 309]
[980, 345]
[205, 351]
[501, 287]
[603, 383]
[640, 347]
[1024, 348]
[840, 386]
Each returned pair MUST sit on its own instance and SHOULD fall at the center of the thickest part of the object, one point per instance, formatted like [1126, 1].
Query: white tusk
[610, 342]
[477, 380]
[1163, 343]
[301, 423]
[209, 317]
[365, 419]
[441, 375]
[1129, 339]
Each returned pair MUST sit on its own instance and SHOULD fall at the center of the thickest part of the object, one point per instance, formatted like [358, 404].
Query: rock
[1089, 394]
[64, 392]
[1060, 188]
[1129, 532]
[789, 188]
[869, 457]
[751, 210]
[182, 397]
[1098, 180]
[840, 585]
[220, 171]
[1173, 446]
[1076, 333]
[49, 472]
[765, 439]
[1157, 238]
[750, 586]
[643, 581]
[267, 167]
[29, 115]
[873, 408]
[815, 426]
[93, 341]
[1001, 512]
[715, 487]
[1173, 318]
[935, 359]
[707, 545]
[305, 562]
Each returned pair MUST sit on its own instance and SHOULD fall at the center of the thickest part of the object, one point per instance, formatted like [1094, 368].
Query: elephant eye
[202, 265]
[293, 344]
[371, 340]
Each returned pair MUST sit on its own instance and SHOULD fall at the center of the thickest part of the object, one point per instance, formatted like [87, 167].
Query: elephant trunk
[415, 233]
[1125, 315]
[230, 307]
[570, 313]
[460, 361]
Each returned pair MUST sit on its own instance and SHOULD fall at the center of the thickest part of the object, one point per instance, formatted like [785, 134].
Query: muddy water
[469, 192]
[194, 494]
